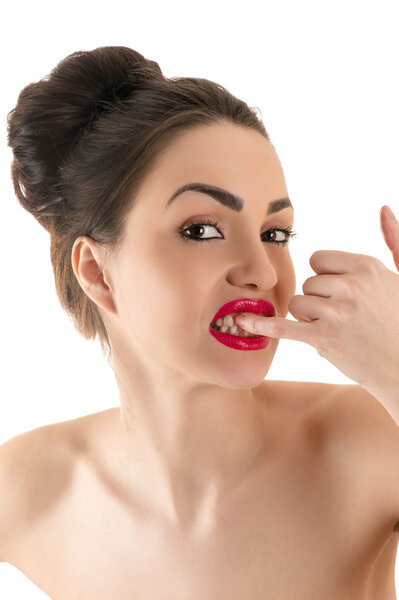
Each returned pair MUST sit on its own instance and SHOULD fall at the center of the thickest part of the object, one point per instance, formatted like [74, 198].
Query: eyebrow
[227, 198]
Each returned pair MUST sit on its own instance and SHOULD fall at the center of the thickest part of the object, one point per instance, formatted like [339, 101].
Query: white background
[324, 76]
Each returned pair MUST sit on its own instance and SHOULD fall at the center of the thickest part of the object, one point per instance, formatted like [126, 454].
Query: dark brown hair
[84, 138]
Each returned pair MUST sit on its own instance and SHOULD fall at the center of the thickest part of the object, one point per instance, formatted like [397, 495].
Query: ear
[87, 258]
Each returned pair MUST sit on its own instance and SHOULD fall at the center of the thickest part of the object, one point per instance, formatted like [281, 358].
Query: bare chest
[312, 527]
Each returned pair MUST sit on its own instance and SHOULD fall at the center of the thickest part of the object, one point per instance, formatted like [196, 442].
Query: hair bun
[53, 114]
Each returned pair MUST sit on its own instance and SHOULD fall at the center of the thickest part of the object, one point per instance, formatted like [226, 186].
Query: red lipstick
[255, 342]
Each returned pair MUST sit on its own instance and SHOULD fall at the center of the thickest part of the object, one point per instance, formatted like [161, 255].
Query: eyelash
[289, 232]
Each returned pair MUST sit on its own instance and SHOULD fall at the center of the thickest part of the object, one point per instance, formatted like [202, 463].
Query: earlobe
[86, 260]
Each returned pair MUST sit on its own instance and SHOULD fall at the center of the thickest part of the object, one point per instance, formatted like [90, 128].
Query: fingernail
[241, 320]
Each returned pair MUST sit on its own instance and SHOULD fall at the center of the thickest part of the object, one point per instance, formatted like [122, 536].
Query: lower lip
[240, 343]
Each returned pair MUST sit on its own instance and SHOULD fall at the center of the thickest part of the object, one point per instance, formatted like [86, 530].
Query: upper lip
[260, 307]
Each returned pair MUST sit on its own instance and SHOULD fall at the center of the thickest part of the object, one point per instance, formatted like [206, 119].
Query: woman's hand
[349, 312]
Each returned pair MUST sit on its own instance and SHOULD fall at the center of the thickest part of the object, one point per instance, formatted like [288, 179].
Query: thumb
[390, 230]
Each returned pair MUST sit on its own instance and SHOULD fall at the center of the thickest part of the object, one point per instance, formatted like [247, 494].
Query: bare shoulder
[307, 397]
[358, 435]
[363, 435]
[342, 409]
[354, 411]
[36, 472]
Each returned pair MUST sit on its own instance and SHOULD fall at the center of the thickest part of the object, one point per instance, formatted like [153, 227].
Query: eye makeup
[289, 232]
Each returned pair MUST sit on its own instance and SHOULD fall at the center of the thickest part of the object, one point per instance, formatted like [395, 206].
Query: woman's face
[167, 288]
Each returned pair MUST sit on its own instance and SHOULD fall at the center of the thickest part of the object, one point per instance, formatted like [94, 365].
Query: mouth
[228, 325]
[224, 320]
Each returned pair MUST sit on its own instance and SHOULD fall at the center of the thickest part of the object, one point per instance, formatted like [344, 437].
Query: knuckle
[354, 290]
[316, 254]
[371, 264]
[275, 329]
[272, 328]
[351, 286]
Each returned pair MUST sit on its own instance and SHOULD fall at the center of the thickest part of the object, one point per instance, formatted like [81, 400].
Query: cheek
[185, 287]
[168, 285]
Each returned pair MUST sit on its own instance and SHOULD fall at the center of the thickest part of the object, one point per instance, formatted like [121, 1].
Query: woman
[208, 481]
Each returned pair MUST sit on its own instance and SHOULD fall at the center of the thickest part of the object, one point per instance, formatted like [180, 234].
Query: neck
[187, 443]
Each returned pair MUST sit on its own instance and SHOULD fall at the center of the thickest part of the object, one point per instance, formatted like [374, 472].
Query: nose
[253, 266]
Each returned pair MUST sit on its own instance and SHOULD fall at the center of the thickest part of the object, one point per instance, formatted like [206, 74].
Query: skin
[192, 424]
[208, 481]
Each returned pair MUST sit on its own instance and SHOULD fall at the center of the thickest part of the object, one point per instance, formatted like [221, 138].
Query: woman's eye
[199, 229]
[279, 236]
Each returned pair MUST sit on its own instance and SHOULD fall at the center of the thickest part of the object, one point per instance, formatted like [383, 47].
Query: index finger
[278, 327]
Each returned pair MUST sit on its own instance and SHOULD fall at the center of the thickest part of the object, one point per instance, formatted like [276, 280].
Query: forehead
[229, 156]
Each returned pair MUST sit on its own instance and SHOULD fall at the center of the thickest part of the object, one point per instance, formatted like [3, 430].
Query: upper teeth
[227, 321]
[227, 325]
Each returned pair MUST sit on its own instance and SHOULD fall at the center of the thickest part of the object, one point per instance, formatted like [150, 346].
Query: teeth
[227, 325]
